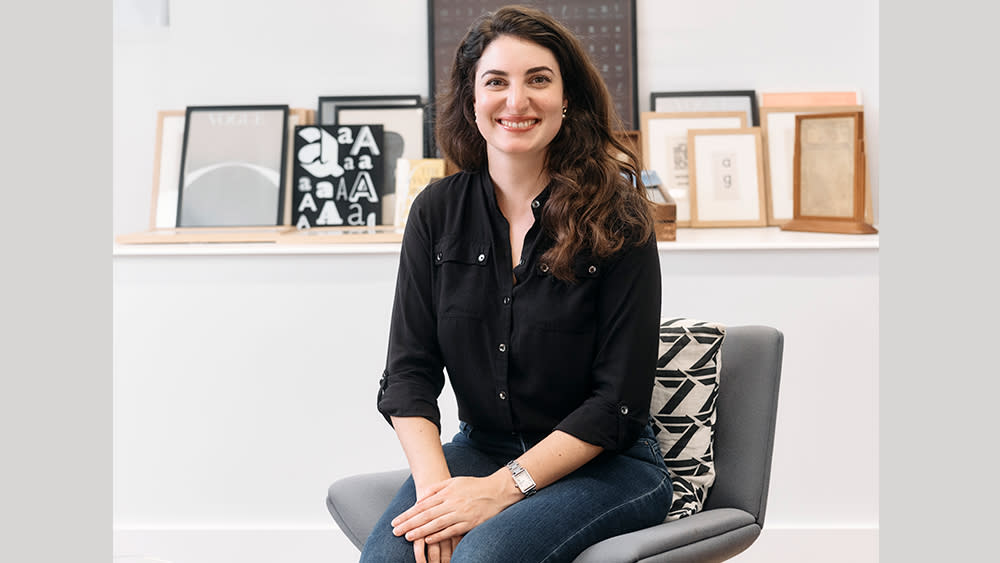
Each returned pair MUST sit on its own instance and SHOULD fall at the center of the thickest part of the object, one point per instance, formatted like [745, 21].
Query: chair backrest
[747, 408]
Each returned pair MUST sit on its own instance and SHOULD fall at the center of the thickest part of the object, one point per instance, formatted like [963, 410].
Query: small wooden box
[665, 218]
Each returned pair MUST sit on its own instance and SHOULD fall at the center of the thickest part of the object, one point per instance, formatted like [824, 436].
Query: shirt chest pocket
[462, 268]
[572, 306]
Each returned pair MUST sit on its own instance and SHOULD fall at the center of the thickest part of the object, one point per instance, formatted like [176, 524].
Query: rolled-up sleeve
[624, 366]
[413, 376]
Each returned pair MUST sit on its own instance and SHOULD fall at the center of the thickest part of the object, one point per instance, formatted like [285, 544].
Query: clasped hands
[447, 510]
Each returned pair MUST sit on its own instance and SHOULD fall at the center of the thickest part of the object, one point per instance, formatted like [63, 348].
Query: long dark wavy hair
[598, 203]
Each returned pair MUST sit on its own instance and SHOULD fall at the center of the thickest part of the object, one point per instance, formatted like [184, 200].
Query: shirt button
[506, 300]
[535, 204]
[502, 347]
[502, 395]
[481, 257]
[592, 269]
[624, 409]
[544, 268]
[437, 256]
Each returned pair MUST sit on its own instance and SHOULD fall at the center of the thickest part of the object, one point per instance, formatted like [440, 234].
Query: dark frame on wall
[326, 107]
[605, 27]
[708, 100]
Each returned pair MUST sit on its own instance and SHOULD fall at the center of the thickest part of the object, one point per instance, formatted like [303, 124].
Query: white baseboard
[214, 545]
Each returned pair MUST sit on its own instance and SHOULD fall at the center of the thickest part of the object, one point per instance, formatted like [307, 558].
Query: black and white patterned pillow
[683, 407]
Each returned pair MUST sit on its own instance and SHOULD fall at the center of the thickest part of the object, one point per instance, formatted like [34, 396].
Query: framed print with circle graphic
[233, 166]
[727, 178]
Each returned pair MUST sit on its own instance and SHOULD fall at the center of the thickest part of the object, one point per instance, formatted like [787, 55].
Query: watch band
[522, 478]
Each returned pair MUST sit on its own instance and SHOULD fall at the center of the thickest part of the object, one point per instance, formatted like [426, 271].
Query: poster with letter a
[338, 176]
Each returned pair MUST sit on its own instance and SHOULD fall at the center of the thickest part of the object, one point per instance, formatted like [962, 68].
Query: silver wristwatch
[522, 479]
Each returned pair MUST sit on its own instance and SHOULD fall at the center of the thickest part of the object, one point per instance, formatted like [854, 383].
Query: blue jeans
[611, 495]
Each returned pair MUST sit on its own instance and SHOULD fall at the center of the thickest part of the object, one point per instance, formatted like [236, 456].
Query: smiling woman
[533, 276]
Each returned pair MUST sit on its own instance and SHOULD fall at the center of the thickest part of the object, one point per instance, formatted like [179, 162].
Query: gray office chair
[733, 513]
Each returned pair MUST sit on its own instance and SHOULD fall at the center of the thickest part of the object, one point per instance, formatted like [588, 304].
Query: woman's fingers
[433, 553]
[451, 533]
[420, 519]
[419, 548]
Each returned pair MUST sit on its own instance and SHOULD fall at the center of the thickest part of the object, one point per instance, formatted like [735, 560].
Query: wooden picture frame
[607, 29]
[233, 166]
[166, 168]
[777, 125]
[829, 174]
[727, 178]
[664, 139]
[707, 100]
[405, 130]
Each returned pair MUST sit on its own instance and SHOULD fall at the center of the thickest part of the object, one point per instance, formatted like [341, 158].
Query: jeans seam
[665, 479]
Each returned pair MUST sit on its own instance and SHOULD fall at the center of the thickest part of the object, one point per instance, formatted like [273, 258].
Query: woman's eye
[493, 82]
[540, 79]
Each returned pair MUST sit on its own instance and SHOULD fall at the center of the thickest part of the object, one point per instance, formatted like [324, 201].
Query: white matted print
[404, 127]
[778, 129]
[727, 178]
[665, 151]
[167, 168]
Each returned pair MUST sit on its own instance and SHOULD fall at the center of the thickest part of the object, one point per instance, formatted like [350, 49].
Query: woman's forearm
[422, 445]
[555, 457]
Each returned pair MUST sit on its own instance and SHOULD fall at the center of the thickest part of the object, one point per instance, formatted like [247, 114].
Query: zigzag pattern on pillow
[683, 407]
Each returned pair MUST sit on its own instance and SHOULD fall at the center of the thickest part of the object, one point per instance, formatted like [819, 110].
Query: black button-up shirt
[533, 357]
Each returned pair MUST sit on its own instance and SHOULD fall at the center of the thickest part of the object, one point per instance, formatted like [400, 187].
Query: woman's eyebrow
[531, 70]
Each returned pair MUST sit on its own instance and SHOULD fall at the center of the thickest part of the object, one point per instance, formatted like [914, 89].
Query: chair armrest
[357, 502]
[717, 526]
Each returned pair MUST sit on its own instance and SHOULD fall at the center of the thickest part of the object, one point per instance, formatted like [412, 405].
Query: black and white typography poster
[338, 176]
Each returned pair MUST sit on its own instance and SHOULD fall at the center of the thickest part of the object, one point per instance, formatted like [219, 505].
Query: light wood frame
[850, 221]
[654, 130]
[165, 175]
[779, 146]
[737, 140]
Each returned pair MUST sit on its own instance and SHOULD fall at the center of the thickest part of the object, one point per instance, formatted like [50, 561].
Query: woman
[533, 277]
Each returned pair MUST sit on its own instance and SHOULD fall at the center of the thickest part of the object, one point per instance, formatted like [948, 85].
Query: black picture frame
[606, 28]
[396, 130]
[708, 100]
[226, 178]
[326, 107]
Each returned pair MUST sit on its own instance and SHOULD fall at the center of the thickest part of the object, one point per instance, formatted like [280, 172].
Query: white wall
[226, 437]
[294, 51]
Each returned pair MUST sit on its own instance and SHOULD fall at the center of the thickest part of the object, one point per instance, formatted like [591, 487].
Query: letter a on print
[329, 215]
[365, 140]
[320, 158]
[307, 203]
[363, 188]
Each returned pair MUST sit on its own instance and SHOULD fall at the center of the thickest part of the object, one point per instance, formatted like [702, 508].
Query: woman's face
[519, 97]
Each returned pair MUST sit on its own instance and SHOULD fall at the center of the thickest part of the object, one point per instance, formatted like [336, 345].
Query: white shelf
[688, 239]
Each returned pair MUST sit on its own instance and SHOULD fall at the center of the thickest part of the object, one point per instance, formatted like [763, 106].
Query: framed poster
[405, 129]
[327, 108]
[232, 166]
[778, 129]
[829, 174]
[664, 139]
[338, 176]
[412, 176]
[710, 100]
[606, 28]
[727, 178]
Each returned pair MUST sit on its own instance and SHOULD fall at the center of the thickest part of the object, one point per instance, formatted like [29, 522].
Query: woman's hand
[453, 507]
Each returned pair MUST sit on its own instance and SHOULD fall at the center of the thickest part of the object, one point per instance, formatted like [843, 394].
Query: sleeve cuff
[613, 427]
[401, 396]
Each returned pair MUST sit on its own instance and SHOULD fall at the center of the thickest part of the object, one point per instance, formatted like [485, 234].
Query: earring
[564, 111]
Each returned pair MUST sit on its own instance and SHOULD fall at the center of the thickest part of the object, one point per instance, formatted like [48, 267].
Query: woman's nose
[517, 98]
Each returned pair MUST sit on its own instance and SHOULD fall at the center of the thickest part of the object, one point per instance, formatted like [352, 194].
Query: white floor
[330, 546]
